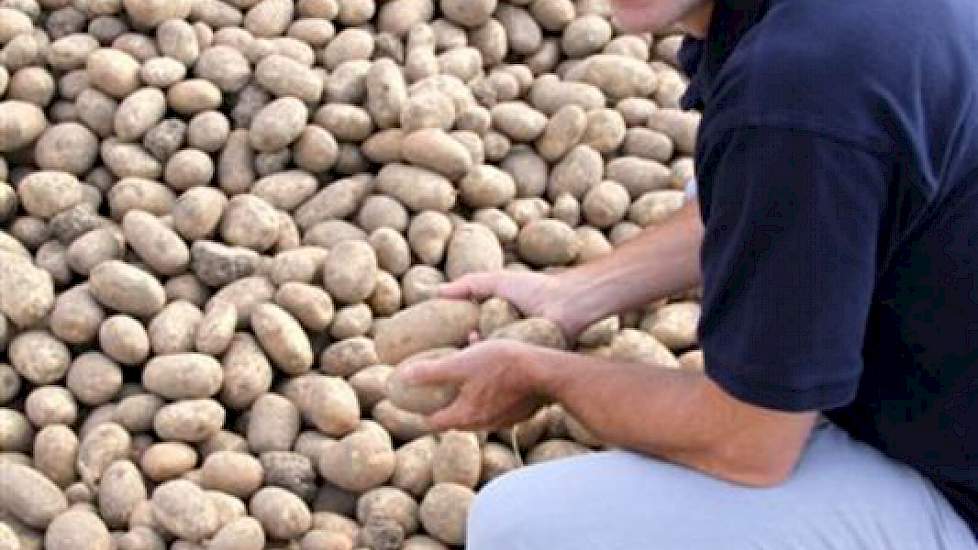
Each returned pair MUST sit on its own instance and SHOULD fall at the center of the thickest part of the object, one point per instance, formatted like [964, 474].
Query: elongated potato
[427, 325]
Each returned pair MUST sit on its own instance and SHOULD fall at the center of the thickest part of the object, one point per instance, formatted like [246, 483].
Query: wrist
[567, 307]
[583, 300]
[543, 368]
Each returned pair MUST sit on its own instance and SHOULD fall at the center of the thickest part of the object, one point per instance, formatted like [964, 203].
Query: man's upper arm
[789, 264]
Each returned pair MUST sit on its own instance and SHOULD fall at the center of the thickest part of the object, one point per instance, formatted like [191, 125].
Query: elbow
[757, 470]
[760, 477]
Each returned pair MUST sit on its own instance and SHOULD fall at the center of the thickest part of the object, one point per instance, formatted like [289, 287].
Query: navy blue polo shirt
[838, 179]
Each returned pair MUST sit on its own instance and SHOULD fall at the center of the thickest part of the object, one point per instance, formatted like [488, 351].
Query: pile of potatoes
[222, 224]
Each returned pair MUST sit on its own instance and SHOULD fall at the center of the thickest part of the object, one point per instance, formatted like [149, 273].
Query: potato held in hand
[421, 399]
[430, 324]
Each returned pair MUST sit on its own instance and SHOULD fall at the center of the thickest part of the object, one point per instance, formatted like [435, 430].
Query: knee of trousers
[503, 513]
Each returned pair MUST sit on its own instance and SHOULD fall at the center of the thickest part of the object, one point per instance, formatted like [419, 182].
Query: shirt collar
[702, 60]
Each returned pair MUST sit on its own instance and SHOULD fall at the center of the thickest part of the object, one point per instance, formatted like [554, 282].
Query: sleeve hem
[764, 394]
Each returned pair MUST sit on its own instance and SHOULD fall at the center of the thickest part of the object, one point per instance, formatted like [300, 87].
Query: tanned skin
[678, 416]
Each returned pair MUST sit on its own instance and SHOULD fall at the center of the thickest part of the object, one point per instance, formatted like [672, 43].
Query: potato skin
[184, 510]
[420, 399]
[427, 325]
[226, 227]
[31, 497]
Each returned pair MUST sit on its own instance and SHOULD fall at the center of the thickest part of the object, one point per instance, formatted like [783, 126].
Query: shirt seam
[827, 395]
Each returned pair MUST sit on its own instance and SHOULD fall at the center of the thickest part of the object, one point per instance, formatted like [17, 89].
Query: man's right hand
[661, 261]
[534, 294]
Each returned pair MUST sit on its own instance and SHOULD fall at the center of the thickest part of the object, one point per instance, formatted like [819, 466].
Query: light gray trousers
[844, 495]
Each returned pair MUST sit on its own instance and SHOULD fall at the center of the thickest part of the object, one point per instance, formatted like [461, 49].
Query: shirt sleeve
[789, 264]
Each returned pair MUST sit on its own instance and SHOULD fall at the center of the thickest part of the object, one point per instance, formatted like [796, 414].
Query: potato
[121, 489]
[26, 292]
[77, 528]
[76, 316]
[158, 245]
[135, 412]
[67, 147]
[101, 446]
[555, 449]
[94, 379]
[44, 194]
[638, 346]
[674, 324]
[350, 271]
[29, 496]
[434, 149]
[486, 186]
[283, 338]
[39, 357]
[22, 123]
[292, 471]
[126, 289]
[497, 459]
[567, 209]
[235, 473]
[213, 228]
[55, 454]
[536, 331]
[251, 222]
[428, 235]
[424, 399]
[457, 459]
[416, 188]
[282, 514]
[351, 321]
[113, 71]
[360, 461]
[183, 509]
[278, 124]
[328, 403]
[548, 242]
[692, 360]
[16, 432]
[124, 339]
[444, 510]
[387, 503]
[549, 94]
[680, 126]
[273, 425]
[247, 372]
[168, 460]
[183, 376]
[189, 420]
[400, 424]
[413, 472]
[431, 324]
[370, 384]
[392, 250]
[473, 248]
[656, 207]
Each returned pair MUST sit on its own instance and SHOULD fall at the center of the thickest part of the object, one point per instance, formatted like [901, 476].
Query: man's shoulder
[836, 66]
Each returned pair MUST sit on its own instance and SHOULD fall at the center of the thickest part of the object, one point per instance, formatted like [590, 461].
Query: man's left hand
[498, 386]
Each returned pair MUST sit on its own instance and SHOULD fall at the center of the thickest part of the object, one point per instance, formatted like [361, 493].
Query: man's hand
[535, 294]
[497, 386]
[661, 261]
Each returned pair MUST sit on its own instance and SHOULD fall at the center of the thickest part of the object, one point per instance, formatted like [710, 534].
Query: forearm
[661, 261]
[680, 416]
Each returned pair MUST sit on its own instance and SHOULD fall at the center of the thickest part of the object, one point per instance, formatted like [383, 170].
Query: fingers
[476, 286]
[474, 338]
[445, 371]
[457, 416]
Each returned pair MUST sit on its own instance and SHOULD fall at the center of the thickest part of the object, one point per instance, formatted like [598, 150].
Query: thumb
[477, 286]
[456, 416]
[425, 373]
